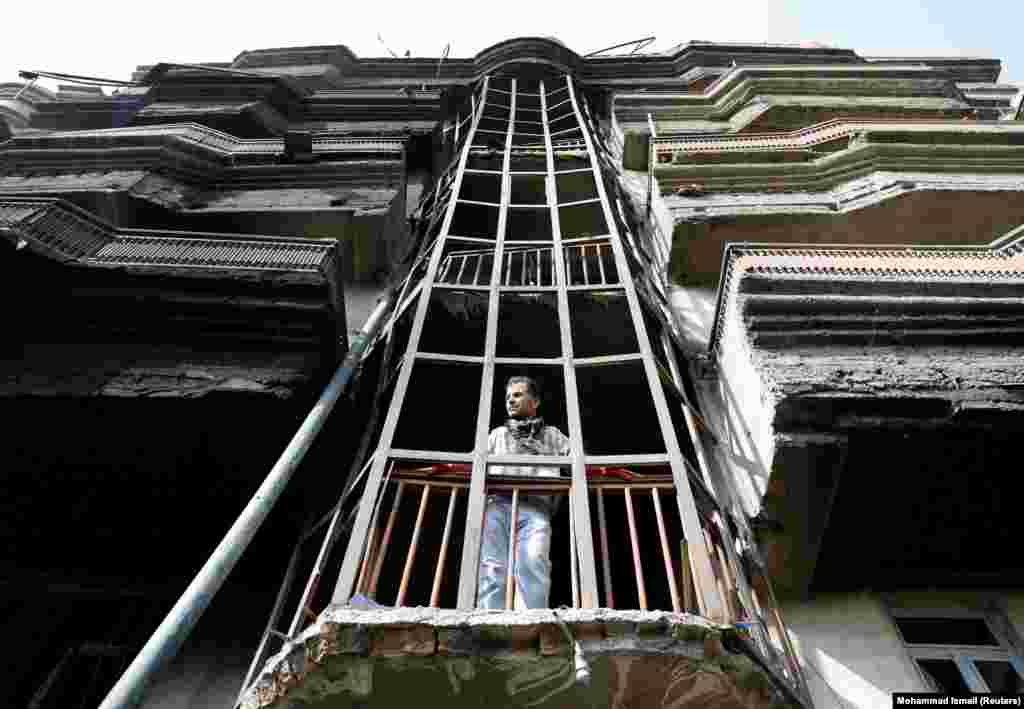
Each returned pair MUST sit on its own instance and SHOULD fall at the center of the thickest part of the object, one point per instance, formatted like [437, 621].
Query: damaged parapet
[393, 657]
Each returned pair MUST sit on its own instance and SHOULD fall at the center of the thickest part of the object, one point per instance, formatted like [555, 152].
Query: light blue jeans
[533, 547]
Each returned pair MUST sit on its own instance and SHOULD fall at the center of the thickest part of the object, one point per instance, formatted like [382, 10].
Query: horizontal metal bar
[607, 359]
[628, 459]
[441, 357]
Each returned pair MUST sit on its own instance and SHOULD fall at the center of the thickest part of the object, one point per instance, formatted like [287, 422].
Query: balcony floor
[430, 657]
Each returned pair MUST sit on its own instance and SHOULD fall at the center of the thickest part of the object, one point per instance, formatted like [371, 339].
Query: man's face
[518, 402]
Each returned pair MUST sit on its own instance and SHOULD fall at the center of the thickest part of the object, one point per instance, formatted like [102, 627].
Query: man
[523, 433]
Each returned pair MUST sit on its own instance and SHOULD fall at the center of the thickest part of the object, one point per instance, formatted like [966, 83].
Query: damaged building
[262, 313]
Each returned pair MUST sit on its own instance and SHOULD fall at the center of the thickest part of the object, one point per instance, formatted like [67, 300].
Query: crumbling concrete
[522, 658]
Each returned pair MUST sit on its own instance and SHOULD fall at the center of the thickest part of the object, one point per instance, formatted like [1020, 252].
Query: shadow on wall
[851, 654]
[695, 310]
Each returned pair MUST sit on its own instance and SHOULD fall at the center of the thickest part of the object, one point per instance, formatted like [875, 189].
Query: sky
[109, 39]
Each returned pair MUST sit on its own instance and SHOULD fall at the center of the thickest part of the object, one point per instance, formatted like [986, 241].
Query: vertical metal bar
[510, 567]
[573, 566]
[479, 266]
[600, 262]
[435, 591]
[583, 263]
[606, 559]
[462, 267]
[413, 543]
[349, 565]
[508, 268]
[523, 281]
[368, 556]
[371, 590]
[641, 589]
[538, 267]
[475, 506]
[710, 605]
[275, 614]
[580, 509]
[670, 574]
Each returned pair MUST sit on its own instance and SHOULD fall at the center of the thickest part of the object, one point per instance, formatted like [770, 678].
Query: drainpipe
[171, 634]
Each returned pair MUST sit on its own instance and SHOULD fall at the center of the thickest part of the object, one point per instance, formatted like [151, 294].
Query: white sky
[108, 39]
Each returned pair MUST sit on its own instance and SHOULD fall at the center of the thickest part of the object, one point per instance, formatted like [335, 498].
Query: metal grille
[467, 268]
[213, 253]
[590, 264]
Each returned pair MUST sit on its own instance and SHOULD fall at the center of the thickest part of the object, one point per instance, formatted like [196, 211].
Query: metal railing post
[171, 634]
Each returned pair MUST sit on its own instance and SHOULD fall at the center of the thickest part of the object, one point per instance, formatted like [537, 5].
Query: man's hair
[532, 387]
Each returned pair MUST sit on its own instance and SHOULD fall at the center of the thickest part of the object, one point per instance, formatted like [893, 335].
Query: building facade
[771, 294]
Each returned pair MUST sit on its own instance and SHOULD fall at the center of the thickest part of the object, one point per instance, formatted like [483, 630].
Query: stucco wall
[851, 653]
[848, 642]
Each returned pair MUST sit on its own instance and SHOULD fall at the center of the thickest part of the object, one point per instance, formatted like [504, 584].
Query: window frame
[964, 656]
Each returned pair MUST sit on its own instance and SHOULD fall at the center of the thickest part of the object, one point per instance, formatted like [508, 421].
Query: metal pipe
[171, 634]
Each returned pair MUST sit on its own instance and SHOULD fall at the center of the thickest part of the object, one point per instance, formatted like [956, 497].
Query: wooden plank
[670, 575]
[410, 556]
[641, 589]
[435, 591]
[371, 589]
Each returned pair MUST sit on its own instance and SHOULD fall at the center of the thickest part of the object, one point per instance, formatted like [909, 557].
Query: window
[960, 650]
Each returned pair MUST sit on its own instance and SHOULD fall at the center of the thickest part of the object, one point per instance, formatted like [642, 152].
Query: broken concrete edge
[454, 635]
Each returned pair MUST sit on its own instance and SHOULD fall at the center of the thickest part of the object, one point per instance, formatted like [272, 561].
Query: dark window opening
[528, 325]
[1000, 676]
[481, 187]
[532, 140]
[496, 111]
[500, 83]
[601, 324]
[528, 189]
[528, 163]
[529, 224]
[527, 101]
[440, 406]
[576, 186]
[528, 114]
[944, 676]
[475, 220]
[529, 127]
[456, 323]
[616, 410]
[493, 124]
[484, 161]
[492, 140]
[563, 122]
[945, 631]
[580, 220]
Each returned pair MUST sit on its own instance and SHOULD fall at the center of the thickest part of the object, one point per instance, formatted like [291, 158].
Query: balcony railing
[410, 552]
